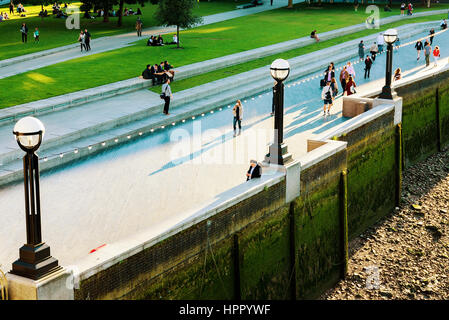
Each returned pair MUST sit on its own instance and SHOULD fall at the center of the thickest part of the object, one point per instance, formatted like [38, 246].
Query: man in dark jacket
[24, 31]
[368, 63]
[254, 171]
[87, 37]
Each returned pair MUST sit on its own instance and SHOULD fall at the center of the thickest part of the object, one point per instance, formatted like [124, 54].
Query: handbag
[322, 83]
[162, 95]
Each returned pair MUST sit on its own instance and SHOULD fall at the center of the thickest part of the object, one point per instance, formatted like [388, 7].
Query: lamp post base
[35, 262]
[388, 93]
[278, 154]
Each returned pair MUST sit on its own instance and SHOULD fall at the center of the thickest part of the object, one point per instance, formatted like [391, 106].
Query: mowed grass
[199, 44]
[53, 31]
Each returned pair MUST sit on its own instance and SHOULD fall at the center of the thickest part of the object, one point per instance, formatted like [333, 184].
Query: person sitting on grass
[160, 41]
[150, 41]
[314, 35]
[175, 40]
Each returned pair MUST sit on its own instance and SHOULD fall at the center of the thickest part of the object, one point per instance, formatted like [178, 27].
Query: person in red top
[436, 55]
[349, 86]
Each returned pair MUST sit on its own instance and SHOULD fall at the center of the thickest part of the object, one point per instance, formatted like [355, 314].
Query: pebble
[411, 244]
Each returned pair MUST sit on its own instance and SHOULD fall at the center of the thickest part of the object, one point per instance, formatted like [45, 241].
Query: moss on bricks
[444, 114]
[371, 173]
[208, 275]
[265, 257]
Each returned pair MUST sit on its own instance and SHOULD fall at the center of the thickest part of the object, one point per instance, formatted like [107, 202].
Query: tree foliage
[177, 13]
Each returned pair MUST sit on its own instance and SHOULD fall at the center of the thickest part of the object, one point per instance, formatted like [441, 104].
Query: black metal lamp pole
[390, 37]
[386, 90]
[278, 153]
[35, 260]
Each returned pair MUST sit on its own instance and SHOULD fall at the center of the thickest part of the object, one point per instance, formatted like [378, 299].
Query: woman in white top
[82, 40]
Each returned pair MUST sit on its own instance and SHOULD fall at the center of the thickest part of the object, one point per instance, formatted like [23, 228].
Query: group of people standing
[419, 46]
[409, 8]
[24, 32]
[84, 40]
[330, 86]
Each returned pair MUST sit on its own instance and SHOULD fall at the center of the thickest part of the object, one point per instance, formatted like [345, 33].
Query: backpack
[328, 94]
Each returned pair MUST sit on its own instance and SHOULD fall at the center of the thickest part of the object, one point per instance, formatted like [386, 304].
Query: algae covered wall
[425, 116]
[318, 226]
[371, 172]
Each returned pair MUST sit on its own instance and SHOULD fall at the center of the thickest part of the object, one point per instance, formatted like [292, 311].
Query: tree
[290, 4]
[120, 9]
[177, 13]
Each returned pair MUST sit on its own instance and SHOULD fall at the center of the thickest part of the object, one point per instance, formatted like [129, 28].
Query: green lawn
[53, 32]
[200, 44]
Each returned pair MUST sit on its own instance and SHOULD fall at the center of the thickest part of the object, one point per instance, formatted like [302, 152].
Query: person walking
[402, 9]
[361, 49]
[87, 37]
[380, 42]
[350, 86]
[418, 47]
[139, 27]
[328, 98]
[427, 52]
[374, 50]
[254, 171]
[343, 77]
[350, 69]
[368, 64]
[431, 33]
[334, 87]
[81, 40]
[166, 95]
[238, 116]
[436, 55]
[11, 8]
[36, 35]
[329, 74]
[24, 31]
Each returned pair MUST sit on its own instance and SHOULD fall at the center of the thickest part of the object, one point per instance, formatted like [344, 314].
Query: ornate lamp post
[390, 37]
[34, 260]
[278, 154]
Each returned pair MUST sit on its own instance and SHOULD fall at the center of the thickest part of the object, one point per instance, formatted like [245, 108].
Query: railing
[3, 286]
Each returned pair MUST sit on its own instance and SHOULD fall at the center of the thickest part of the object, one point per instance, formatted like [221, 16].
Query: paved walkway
[13, 66]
